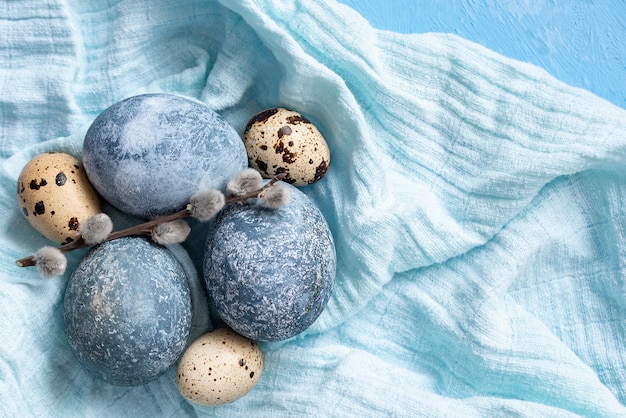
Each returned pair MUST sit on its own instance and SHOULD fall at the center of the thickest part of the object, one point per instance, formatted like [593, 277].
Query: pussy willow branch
[147, 227]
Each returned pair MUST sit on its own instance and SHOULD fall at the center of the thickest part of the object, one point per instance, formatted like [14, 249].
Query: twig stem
[147, 227]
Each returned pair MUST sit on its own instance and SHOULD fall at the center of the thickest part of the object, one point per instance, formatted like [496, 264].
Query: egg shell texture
[127, 311]
[148, 154]
[55, 196]
[279, 140]
[218, 368]
[270, 272]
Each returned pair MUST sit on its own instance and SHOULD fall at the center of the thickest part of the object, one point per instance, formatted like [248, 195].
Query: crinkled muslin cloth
[476, 202]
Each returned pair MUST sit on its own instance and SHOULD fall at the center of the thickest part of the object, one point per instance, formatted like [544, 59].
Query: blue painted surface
[582, 43]
[127, 311]
[270, 272]
[147, 154]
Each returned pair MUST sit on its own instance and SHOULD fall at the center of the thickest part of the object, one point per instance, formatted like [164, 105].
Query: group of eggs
[146, 156]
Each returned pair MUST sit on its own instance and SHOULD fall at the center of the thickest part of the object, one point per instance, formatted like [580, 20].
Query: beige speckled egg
[218, 368]
[55, 196]
[283, 141]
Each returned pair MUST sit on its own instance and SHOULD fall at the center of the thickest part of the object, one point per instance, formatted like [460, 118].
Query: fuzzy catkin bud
[50, 262]
[172, 232]
[206, 204]
[276, 196]
[246, 181]
[96, 229]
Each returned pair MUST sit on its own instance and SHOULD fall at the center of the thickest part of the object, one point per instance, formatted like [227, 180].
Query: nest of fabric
[476, 205]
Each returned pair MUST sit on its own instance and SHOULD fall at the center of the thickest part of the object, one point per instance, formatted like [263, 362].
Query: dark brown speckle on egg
[289, 157]
[73, 224]
[320, 171]
[36, 186]
[279, 147]
[285, 130]
[261, 164]
[40, 208]
[60, 179]
[261, 117]
[296, 120]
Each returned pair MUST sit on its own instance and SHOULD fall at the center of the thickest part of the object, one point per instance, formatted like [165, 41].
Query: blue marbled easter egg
[270, 272]
[127, 311]
[148, 154]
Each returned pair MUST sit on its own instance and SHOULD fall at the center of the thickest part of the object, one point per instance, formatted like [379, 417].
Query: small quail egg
[55, 196]
[218, 368]
[278, 141]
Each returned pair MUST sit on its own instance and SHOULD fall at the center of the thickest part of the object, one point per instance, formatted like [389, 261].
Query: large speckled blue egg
[127, 311]
[148, 154]
[270, 272]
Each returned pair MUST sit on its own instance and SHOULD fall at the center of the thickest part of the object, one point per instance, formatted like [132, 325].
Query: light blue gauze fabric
[477, 206]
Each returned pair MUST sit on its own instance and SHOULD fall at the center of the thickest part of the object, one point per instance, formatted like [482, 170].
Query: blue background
[582, 43]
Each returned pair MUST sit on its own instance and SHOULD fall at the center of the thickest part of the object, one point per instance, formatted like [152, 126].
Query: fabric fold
[475, 201]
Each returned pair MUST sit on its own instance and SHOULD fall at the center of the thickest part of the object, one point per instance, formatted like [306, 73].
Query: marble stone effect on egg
[279, 140]
[55, 196]
[127, 311]
[270, 272]
[148, 154]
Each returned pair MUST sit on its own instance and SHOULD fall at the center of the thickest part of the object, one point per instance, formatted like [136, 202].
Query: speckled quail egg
[55, 195]
[279, 140]
[218, 368]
